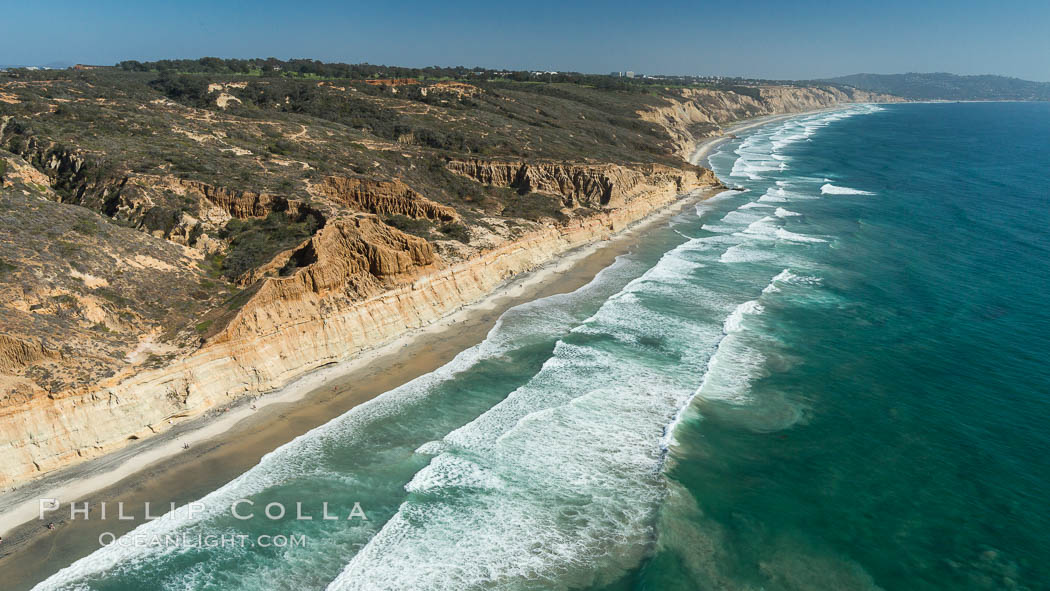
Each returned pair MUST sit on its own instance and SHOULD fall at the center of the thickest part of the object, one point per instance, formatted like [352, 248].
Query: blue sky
[805, 39]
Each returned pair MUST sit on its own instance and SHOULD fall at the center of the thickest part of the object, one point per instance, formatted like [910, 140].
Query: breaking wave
[830, 189]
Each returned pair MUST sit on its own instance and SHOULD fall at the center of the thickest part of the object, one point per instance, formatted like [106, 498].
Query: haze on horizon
[755, 38]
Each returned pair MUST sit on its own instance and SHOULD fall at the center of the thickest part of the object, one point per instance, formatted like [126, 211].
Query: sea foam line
[830, 189]
[734, 323]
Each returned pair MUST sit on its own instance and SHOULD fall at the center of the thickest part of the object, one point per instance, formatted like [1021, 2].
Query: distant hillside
[941, 86]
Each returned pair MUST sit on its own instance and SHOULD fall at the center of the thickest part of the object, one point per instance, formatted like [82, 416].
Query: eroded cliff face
[359, 283]
[587, 185]
[700, 113]
[382, 197]
[18, 353]
[349, 260]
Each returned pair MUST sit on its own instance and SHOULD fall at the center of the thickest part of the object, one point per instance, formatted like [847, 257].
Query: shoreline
[707, 146]
[226, 442]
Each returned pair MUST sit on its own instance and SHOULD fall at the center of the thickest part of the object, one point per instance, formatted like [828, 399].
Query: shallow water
[834, 380]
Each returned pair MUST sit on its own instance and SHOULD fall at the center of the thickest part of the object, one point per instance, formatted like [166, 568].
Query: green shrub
[192, 90]
[114, 297]
[254, 242]
[86, 226]
[456, 231]
[409, 225]
[533, 206]
[66, 249]
[281, 147]
[212, 265]
[238, 300]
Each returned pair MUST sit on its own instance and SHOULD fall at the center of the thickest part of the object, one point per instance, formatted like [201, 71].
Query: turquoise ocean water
[836, 378]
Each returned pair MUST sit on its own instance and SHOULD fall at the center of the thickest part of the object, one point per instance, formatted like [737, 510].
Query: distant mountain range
[940, 86]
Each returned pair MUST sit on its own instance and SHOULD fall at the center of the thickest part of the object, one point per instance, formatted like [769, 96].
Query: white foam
[449, 471]
[829, 189]
[783, 234]
[761, 151]
[719, 240]
[774, 195]
[786, 276]
[534, 487]
[719, 228]
[735, 363]
[672, 268]
[731, 371]
[532, 490]
[744, 254]
[735, 321]
[761, 229]
[785, 213]
[431, 448]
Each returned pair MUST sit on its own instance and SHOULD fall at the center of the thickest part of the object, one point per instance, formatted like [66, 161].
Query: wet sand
[225, 443]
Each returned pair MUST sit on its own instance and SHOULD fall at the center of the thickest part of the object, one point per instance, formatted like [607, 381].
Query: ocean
[833, 377]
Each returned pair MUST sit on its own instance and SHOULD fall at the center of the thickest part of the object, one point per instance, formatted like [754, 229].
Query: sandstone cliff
[16, 353]
[588, 185]
[382, 197]
[363, 284]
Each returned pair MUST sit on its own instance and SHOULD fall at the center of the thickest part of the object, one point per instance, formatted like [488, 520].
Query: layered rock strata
[363, 284]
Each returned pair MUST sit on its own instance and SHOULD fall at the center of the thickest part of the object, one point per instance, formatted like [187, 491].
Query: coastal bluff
[229, 250]
[367, 284]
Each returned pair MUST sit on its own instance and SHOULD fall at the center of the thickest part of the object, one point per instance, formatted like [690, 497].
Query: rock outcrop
[381, 197]
[587, 185]
[17, 353]
[349, 259]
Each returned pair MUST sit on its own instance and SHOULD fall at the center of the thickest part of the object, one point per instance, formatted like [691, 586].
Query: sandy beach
[195, 458]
